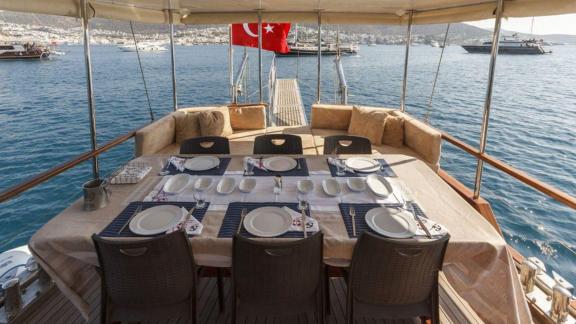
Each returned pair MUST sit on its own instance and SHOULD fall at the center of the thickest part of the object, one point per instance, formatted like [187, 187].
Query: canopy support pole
[231, 66]
[260, 55]
[488, 100]
[173, 62]
[406, 55]
[319, 57]
[89, 86]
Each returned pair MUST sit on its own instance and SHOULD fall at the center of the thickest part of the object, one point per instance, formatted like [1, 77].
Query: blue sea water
[44, 122]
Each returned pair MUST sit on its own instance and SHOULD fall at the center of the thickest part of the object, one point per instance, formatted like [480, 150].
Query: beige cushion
[393, 131]
[367, 123]
[213, 123]
[423, 139]
[330, 116]
[187, 125]
[248, 117]
[155, 136]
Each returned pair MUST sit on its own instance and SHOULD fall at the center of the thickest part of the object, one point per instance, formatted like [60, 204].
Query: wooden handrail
[543, 187]
[39, 178]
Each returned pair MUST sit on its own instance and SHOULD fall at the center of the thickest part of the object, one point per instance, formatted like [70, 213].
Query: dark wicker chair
[277, 280]
[150, 279]
[205, 145]
[358, 145]
[266, 144]
[395, 280]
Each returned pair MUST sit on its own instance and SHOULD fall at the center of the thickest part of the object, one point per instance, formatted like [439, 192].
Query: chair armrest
[424, 140]
[330, 116]
[156, 136]
[248, 117]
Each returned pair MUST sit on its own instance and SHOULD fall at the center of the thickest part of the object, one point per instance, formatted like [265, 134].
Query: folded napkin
[311, 223]
[258, 163]
[436, 229]
[192, 226]
[335, 162]
[130, 173]
[177, 162]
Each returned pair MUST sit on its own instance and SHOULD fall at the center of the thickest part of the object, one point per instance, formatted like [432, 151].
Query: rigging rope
[429, 108]
[142, 72]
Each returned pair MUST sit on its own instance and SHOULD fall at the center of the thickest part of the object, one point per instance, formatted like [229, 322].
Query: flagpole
[260, 53]
[231, 66]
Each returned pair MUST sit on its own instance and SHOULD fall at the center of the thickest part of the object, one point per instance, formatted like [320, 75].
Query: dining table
[477, 262]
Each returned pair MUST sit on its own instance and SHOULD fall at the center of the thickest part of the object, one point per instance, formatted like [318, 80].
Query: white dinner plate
[267, 222]
[379, 185]
[395, 223]
[176, 183]
[280, 163]
[156, 220]
[202, 163]
[362, 164]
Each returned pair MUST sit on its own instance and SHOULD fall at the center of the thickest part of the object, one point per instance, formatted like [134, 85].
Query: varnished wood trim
[39, 178]
[544, 188]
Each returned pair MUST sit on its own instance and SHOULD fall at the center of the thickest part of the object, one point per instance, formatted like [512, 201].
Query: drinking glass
[277, 187]
[200, 197]
[302, 201]
[248, 166]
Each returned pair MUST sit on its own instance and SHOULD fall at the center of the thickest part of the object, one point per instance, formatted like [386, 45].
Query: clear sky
[564, 24]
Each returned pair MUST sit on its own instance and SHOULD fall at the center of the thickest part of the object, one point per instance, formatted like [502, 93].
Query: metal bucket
[96, 194]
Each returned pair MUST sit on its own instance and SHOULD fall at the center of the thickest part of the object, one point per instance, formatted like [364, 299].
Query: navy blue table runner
[233, 216]
[385, 171]
[361, 210]
[112, 229]
[302, 172]
[214, 171]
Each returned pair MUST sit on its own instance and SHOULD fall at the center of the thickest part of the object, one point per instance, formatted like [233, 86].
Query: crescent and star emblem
[269, 29]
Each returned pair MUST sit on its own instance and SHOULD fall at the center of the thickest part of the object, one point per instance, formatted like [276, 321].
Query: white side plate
[331, 187]
[267, 222]
[156, 220]
[247, 185]
[226, 186]
[356, 184]
[395, 223]
[279, 163]
[202, 163]
[362, 164]
[305, 186]
[203, 183]
[177, 183]
[379, 185]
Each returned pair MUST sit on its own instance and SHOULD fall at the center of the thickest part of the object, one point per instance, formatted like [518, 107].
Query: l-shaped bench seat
[419, 140]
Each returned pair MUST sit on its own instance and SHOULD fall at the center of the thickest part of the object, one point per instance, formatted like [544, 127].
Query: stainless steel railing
[238, 88]
[342, 84]
[271, 88]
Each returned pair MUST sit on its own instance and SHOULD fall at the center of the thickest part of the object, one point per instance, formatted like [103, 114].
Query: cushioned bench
[416, 139]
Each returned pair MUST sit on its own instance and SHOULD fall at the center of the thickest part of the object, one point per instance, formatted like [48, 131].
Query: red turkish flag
[274, 36]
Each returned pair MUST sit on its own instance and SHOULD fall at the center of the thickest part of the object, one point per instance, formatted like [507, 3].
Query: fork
[298, 162]
[242, 215]
[352, 213]
[136, 212]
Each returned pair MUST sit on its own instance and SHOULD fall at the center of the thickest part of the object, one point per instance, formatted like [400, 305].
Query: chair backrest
[205, 145]
[278, 144]
[395, 272]
[267, 273]
[147, 272]
[347, 144]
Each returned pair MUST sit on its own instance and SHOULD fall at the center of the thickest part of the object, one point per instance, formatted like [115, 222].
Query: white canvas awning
[297, 11]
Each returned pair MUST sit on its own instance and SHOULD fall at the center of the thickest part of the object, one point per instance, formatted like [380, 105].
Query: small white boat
[142, 48]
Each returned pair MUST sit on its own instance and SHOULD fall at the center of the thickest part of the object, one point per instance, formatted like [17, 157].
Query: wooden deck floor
[54, 308]
[288, 109]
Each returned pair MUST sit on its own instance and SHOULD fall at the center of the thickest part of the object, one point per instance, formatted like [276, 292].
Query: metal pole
[260, 54]
[406, 55]
[488, 100]
[231, 66]
[173, 61]
[319, 56]
[90, 88]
